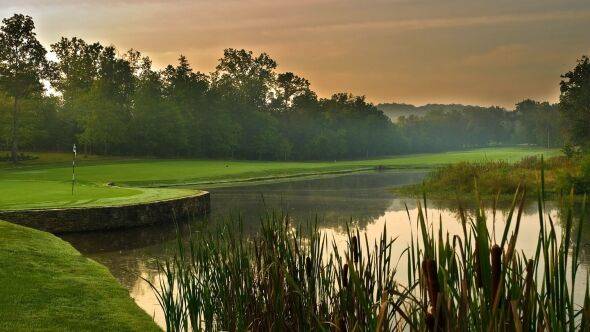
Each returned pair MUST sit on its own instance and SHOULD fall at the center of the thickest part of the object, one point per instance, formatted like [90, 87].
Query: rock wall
[110, 217]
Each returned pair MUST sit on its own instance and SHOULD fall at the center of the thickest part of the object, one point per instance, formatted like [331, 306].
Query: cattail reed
[527, 296]
[308, 268]
[231, 282]
[429, 321]
[496, 254]
[355, 248]
[431, 276]
[345, 275]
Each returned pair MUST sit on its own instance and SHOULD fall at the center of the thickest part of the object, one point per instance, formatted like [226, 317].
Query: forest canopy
[113, 102]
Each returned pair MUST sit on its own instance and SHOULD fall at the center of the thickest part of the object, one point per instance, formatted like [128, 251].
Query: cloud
[454, 22]
[408, 50]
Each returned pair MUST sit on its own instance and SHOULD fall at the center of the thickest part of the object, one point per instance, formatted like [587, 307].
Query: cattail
[528, 283]
[345, 275]
[308, 267]
[355, 249]
[496, 269]
[431, 275]
[430, 321]
[463, 303]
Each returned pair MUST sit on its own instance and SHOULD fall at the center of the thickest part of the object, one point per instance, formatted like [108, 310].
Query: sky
[413, 51]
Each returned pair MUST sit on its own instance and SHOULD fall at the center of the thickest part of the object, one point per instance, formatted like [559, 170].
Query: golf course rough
[45, 284]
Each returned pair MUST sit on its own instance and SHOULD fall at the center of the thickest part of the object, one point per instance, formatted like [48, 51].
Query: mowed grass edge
[45, 284]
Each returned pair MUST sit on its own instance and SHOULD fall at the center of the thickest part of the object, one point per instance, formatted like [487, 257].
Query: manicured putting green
[45, 284]
[18, 194]
[48, 185]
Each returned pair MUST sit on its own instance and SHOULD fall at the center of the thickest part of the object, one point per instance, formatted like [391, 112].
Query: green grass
[494, 178]
[45, 284]
[17, 194]
[35, 178]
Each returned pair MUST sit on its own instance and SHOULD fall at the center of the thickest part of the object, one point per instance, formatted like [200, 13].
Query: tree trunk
[14, 149]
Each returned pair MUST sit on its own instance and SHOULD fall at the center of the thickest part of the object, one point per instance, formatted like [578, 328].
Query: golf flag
[74, 168]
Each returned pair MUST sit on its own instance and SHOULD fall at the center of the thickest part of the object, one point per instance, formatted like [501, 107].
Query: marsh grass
[495, 177]
[287, 278]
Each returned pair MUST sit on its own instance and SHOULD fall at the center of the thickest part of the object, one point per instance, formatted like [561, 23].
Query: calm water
[363, 200]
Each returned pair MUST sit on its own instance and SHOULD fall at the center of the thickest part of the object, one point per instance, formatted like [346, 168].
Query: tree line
[532, 122]
[109, 102]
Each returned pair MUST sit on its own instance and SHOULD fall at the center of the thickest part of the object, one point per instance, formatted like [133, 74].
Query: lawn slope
[45, 284]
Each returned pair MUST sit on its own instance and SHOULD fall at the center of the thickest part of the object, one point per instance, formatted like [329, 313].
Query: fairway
[39, 185]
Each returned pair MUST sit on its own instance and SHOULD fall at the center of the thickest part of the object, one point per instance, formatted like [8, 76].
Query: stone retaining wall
[110, 217]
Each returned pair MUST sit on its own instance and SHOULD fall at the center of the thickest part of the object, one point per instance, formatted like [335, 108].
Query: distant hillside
[395, 110]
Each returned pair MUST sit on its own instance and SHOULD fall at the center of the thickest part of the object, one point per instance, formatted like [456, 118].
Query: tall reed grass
[285, 278]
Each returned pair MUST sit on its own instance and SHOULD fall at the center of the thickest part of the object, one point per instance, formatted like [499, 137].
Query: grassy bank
[496, 178]
[38, 175]
[45, 284]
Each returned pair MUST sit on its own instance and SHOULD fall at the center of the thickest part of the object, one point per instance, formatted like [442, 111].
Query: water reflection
[364, 200]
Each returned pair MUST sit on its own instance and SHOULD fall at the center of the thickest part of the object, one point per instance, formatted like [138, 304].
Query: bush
[499, 177]
[488, 178]
[578, 181]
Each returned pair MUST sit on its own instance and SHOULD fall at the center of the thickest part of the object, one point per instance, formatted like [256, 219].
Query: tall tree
[77, 66]
[537, 123]
[22, 66]
[76, 72]
[248, 79]
[575, 102]
[185, 90]
[289, 87]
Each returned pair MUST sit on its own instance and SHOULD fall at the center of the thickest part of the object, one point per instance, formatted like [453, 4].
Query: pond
[362, 200]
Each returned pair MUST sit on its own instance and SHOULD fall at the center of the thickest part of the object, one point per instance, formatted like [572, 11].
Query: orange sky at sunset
[463, 51]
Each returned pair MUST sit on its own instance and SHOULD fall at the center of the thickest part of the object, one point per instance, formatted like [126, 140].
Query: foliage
[442, 129]
[287, 279]
[113, 103]
[577, 181]
[575, 102]
[23, 65]
[491, 178]
[569, 150]
[21, 157]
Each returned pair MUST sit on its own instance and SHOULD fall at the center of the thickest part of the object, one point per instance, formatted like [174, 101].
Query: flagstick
[74, 169]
